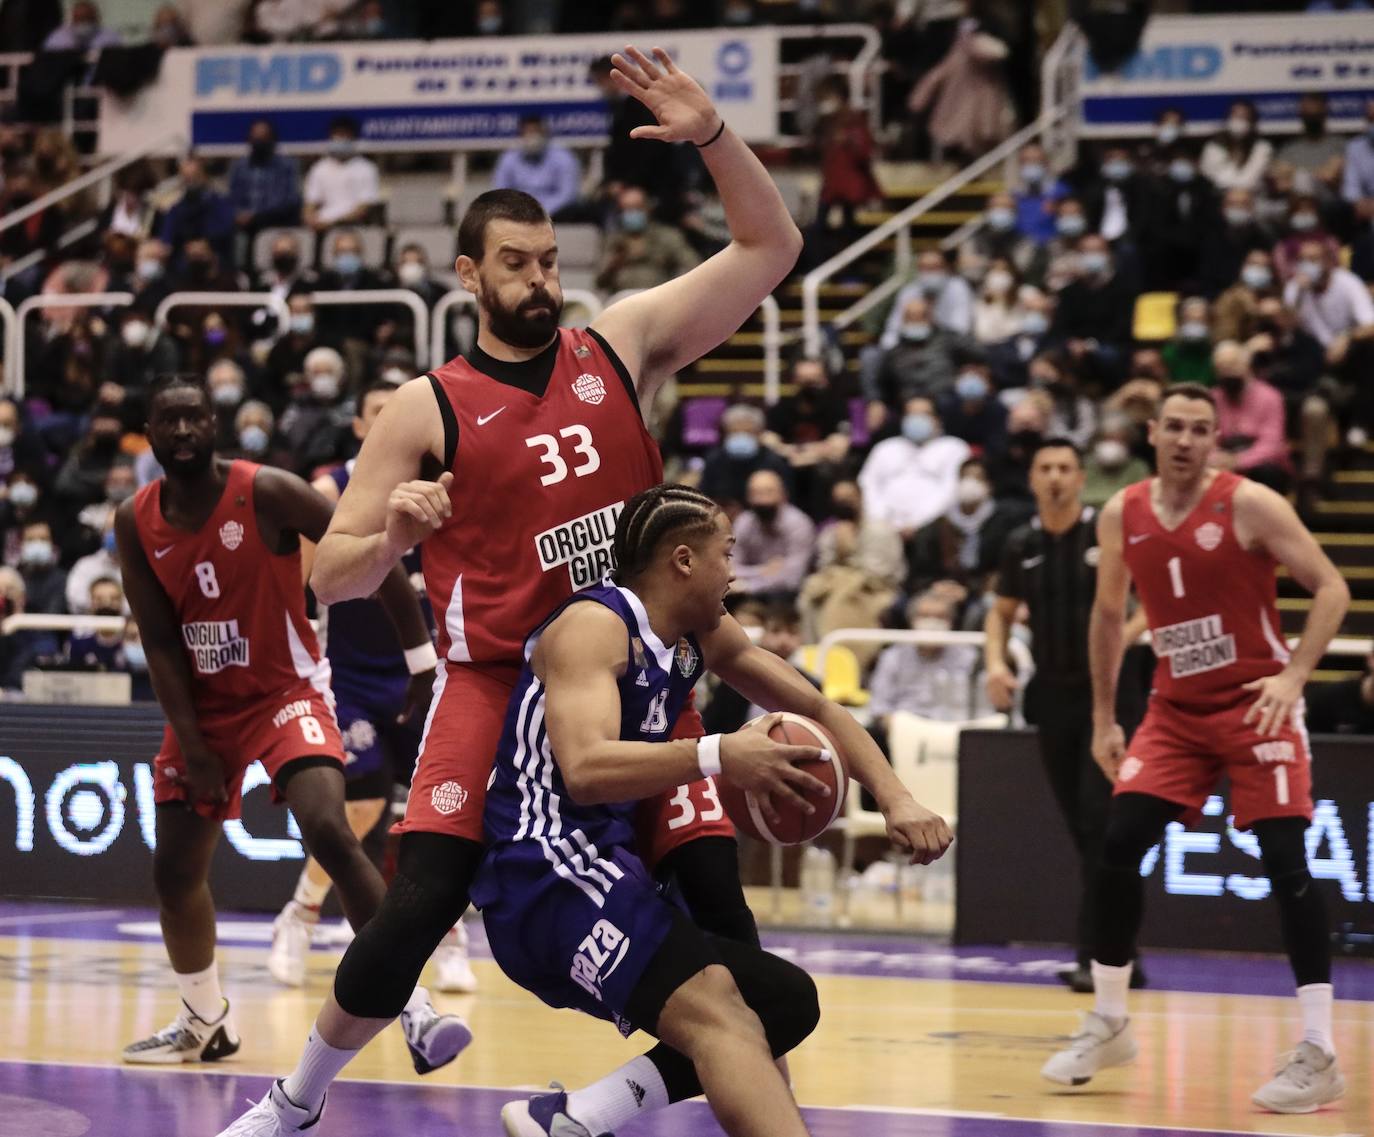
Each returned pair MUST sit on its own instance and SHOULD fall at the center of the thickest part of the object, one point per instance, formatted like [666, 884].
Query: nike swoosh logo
[1031, 562]
[160, 553]
[1136, 538]
[482, 420]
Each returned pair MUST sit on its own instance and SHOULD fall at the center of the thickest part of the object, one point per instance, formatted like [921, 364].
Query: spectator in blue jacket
[201, 212]
[264, 186]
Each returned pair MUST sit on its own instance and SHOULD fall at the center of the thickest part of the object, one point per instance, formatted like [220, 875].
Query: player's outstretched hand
[419, 690]
[416, 509]
[1278, 695]
[684, 111]
[916, 830]
[754, 762]
[1109, 748]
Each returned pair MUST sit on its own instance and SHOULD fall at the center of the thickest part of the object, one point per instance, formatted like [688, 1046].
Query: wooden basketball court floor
[916, 1039]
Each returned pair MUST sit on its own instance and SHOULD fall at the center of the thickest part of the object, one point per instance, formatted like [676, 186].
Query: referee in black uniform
[1050, 563]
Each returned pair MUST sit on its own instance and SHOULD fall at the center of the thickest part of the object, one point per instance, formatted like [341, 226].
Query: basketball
[794, 825]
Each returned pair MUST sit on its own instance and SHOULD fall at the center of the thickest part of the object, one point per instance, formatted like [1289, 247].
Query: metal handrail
[387, 296]
[899, 226]
[232, 299]
[460, 297]
[70, 300]
[8, 335]
[90, 178]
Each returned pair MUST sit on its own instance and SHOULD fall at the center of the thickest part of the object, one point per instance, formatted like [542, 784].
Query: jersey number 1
[1176, 576]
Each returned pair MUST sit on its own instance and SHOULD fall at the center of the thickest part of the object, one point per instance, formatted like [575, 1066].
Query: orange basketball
[794, 825]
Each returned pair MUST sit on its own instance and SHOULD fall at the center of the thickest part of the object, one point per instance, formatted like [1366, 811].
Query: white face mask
[411, 273]
[396, 375]
[324, 386]
[972, 492]
[1111, 453]
[6, 437]
[37, 552]
[134, 333]
[930, 624]
[227, 395]
[999, 282]
[23, 494]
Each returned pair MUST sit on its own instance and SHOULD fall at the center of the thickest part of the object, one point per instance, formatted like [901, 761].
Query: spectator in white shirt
[931, 680]
[1333, 304]
[342, 187]
[1238, 157]
[910, 480]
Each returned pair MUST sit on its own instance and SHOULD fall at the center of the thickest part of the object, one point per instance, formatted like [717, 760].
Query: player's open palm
[767, 769]
[416, 509]
[684, 111]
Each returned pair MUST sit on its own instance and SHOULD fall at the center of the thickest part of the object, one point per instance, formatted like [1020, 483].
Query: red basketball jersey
[241, 605]
[539, 481]
[1211, 604]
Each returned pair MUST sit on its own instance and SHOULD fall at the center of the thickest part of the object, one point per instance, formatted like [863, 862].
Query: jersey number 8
[558, 468]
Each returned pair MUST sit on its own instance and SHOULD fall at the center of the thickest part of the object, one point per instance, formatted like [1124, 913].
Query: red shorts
[297, 723]
[462, 733]
[1179, 755]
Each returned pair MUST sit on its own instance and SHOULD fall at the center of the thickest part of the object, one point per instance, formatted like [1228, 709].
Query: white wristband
[708, 755]
[421, 658]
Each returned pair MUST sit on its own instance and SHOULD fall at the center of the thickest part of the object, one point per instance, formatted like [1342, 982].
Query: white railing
[225, 299]
[57, 300]
[8, 335]
[387, 296]
[857, 71]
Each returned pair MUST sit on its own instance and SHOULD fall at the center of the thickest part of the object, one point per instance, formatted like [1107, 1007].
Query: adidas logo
[637, 1090]
[643, 680]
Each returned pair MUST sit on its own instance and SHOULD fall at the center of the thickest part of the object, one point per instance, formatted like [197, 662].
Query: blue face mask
[918, 428]
[1093, 263]
[1181, 170]
[1001, 220]
[348, 263]
[1035, 324]
[135, 657]
[970, 386]
[1033, 173]
[741, 444]
[916, 333]
[1071, 225]
[1256, 276]
[932, 282]
[1117, 170]
[108, 543]
[634, 220]
[253, 439]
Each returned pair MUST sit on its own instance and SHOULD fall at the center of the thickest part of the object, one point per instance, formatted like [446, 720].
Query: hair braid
[650, 517]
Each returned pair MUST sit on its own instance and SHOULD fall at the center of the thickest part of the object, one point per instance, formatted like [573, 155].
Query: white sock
[200, 991]
[605, 1106]
[319, 1065]
[1110, 985]
[309, 895]
[1315, 1001]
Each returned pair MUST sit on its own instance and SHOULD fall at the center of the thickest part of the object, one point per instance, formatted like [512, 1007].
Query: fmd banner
[411, 95]
[1199, 64]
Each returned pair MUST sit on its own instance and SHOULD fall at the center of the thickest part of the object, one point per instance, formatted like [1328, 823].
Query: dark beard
[516, 327]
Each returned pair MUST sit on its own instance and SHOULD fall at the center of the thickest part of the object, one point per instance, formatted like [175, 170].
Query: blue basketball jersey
[527, 803]
[357, 635]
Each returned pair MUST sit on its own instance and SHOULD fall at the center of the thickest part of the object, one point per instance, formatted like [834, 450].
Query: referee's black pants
[1062, 712]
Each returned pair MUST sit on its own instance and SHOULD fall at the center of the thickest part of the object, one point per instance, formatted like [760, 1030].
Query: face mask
[6, 437]
[634, 220]
[135, 657]
[374, 27]
[118, 495]
[1001, 219]
[1181, 170]
[916, 333]
[324, 386]
[134, 333]
[972, 492]
[253, 439]
[36, 552]
[284, 264]
[1314, 124]
[738, 16]
[348, 263]
[489, 25]
[261, 152]
[1071, 225]
[1231, 384]
[105, 611]
[1111, 453]
[23, 494]
[1168, 134]
[227, 395]
[534, 145]
[741, 444]
[108, 542]
[930, 624]
[1193, 330]
[411, 274]
[303, 323]
[149, 269]
[198, 270]
[971, 386]
[1311, 270]
[1239, 127]
[999, 281]
[1035, 324]
[342, 148]
[765, 513]
[1256, 276]
[1093, 263]
[932, 282]
[1116, 170]
[918, 428]
[1238, 217]
[829, 106]
[396, 375]
[216, 336]
[844, 511]
[1032, 173]
[1304, 222]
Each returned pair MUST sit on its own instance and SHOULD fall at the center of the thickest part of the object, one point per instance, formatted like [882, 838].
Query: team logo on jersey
[361, 735]
[582, 351]
[231, 534]
[589, 388]
[1209, 535]
[686, 658]
[448, 797]
[1092, 556]
[1129, 768]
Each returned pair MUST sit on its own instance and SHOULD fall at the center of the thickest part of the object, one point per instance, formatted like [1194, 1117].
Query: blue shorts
[366, 705]
[574, 934]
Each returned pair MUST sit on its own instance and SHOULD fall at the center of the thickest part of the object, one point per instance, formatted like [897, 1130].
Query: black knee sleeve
[1302, 908]
[1135, 822]
[429, 893]
[705, 873]
[782, 995]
